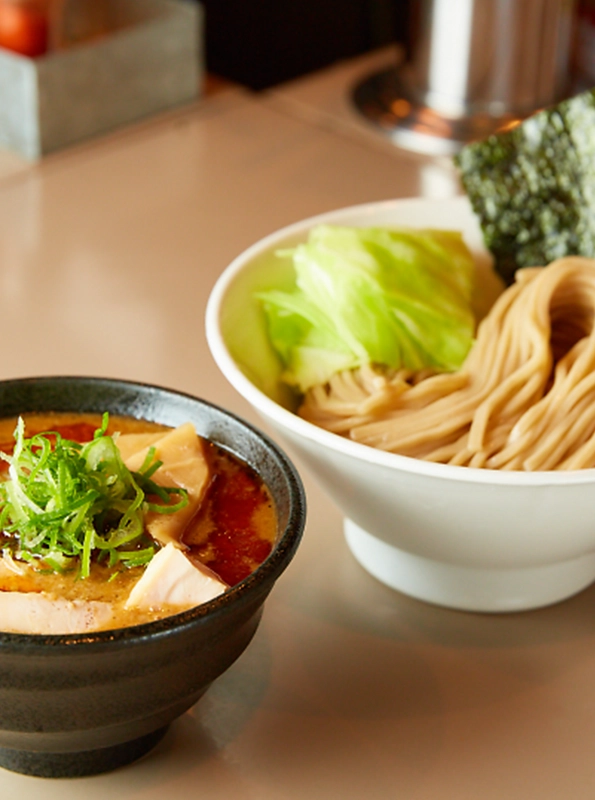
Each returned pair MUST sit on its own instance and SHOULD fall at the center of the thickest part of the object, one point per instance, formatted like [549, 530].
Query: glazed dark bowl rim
[260, 579]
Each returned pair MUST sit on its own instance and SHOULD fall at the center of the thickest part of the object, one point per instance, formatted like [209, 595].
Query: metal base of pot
[387, 100]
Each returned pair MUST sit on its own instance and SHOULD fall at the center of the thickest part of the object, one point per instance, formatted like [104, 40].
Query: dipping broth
[231, 533]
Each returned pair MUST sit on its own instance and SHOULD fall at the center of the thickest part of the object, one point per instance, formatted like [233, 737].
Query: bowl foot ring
[76, 765]
[469, 588]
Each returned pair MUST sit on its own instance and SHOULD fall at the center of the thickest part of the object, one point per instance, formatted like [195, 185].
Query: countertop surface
[108, 252]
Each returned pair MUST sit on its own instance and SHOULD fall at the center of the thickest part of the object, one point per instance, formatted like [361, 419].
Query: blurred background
[265, 42]
[461, 68]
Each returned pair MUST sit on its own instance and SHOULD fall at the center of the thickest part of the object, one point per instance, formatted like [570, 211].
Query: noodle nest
[523, 400]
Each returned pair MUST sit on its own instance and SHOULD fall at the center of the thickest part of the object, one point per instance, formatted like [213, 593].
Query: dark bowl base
[77, 765]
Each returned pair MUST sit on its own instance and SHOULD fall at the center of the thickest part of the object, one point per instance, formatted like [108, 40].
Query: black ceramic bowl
[80, 704]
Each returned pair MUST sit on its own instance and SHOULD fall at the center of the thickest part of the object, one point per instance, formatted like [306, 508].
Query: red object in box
[24, 27]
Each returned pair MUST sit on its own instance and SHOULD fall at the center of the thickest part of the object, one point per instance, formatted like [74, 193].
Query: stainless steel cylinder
[492, 56]
[474, 66]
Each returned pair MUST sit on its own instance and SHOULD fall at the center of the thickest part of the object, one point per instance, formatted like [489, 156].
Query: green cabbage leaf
[398, 298]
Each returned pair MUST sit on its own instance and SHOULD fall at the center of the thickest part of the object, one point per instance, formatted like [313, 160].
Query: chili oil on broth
[232, 532]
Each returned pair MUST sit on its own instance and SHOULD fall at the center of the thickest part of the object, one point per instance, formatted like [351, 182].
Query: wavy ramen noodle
[523, 400]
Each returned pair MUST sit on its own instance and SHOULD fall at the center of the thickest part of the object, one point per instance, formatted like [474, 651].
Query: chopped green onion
[66, 502]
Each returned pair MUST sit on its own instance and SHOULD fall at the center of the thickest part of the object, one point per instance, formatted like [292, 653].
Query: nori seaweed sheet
[533, 187]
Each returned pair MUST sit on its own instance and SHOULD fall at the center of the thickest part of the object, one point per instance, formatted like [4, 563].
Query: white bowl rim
[298, 426]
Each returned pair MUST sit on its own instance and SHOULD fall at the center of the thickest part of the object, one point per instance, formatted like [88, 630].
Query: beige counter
[108, 252]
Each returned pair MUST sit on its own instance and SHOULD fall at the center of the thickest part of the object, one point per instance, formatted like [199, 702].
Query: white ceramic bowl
[471, 539]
